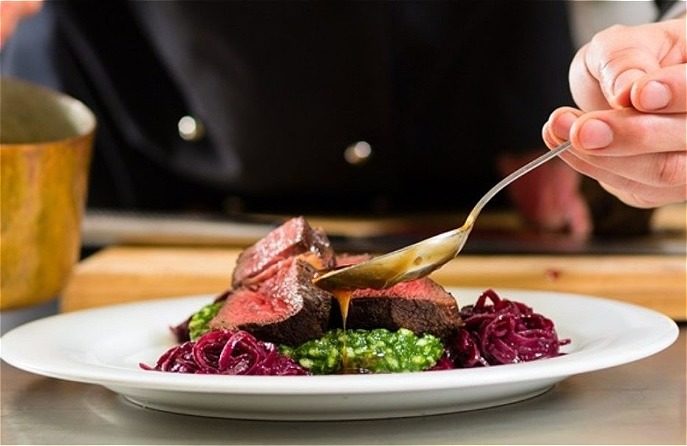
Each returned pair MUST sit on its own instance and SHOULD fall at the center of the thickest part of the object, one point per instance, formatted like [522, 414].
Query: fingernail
[654, 96]
[595, 134]
[561, 126]
[625, 80]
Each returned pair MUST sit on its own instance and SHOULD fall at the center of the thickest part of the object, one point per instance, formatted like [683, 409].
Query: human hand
[549, 197]
[629, 132]
[11, 13]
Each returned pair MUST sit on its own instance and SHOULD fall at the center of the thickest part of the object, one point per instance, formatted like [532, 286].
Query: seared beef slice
[285, 308]
[419, 305]
[293, 238]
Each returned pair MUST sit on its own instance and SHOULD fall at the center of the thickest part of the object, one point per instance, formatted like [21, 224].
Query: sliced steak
[419, 305]
[285, 308]
[294, 238]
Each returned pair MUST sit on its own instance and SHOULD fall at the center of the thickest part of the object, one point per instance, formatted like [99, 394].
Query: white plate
[104, 346]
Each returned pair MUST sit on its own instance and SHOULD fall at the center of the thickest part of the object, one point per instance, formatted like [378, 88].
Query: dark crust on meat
[418, 315]
[430, 310]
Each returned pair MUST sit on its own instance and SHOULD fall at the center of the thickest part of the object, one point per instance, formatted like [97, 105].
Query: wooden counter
[125, 274]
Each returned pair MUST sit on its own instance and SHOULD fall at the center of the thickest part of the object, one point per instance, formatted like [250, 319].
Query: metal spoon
[421, 258]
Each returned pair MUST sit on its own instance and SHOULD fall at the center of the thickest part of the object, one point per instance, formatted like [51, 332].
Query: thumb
[661, 91]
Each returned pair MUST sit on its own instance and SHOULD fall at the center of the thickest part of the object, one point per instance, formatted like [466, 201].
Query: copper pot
[46, 140]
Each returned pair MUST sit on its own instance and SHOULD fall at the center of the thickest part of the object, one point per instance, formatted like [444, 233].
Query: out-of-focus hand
[11, 13]
[548, 197]
[630, 131]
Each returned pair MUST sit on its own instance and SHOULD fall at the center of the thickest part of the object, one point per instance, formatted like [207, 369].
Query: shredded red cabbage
[226, 352]
[504, 332]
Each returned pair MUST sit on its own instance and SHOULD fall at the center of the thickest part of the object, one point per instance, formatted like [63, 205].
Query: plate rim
[560, 367]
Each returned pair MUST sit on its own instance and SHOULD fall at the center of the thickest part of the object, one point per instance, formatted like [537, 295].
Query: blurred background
[382, 122]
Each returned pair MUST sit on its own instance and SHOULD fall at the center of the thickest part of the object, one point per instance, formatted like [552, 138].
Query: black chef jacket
[436, 89]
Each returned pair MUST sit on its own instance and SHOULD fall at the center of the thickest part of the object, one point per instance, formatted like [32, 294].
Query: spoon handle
[512, 177]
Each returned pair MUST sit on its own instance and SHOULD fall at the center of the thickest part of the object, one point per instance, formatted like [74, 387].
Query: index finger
[628, 132]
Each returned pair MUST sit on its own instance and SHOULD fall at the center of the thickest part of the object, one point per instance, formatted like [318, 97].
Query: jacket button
[190, 128]
[358, 153]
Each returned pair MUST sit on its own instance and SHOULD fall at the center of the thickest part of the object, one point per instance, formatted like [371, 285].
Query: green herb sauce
[199, 323]
[367, 351]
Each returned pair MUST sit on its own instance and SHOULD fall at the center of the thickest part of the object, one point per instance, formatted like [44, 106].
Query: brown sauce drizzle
[343, 297]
